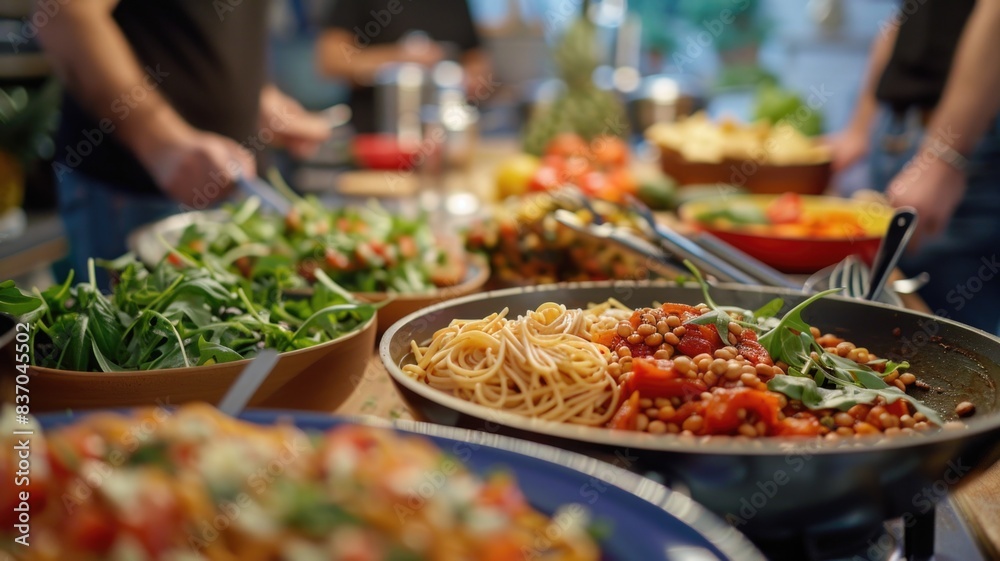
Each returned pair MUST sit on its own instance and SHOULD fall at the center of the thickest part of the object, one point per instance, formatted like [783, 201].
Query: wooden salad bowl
[315, 378]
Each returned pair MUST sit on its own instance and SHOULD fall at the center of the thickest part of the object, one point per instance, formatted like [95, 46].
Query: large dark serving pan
[797, 493]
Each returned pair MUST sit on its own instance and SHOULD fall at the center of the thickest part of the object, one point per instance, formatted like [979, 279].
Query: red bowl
[794, 254]
[382, 152]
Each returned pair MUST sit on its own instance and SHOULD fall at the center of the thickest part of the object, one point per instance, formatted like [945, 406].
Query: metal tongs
[653, 257]
[710, 254]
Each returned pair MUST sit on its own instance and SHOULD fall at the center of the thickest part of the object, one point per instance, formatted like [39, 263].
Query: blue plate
[647, 521]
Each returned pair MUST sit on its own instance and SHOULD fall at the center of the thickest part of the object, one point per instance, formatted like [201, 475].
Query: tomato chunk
[722, 411]
[628, 413]
[754, 352]
[657, 378]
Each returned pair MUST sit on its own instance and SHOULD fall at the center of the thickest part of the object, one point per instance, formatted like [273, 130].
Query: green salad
[362, 248]
[180, 313]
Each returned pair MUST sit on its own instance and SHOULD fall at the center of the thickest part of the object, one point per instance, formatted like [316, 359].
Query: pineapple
[583, 109]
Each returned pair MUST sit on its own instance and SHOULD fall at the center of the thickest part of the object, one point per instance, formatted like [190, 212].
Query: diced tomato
[336, 260]
[307, 269]
[627, 414]
[721, 412]
[786, 209]
[502, 548]
[898, 408]
[160, 520]
[90, 528]
[593, 183]
[657, 378]
[243, 265]
[576, 171]
[175, 259]
[684, 311]
[803, 424]
[502, 492]
[609, 151]
[407, 247]
[545, 179]
[343, 224]
[197, 245]
[567, 144]
[754, 352]
[699, 339]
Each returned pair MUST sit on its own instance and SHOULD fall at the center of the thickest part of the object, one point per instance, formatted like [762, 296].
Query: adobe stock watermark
[122, 106]
[258, 482]
[364, 35]
[767, 489]
[922, 502]
[44, 11]
[94, 473]
[899, 16]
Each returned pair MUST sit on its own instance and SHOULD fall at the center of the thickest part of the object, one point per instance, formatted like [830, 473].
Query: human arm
[968, 106]
[851, 144]
[295, 129]
[93, 58]
[339, 57]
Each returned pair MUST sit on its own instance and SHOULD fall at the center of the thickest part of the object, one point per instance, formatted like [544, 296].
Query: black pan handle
[904, 222]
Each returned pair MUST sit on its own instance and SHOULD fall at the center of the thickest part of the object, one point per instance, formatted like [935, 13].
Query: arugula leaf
[792, 320]
[770, 309]
[214, 353]
[15, 303]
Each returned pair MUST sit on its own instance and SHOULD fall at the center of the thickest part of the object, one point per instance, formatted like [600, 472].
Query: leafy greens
[175, 316]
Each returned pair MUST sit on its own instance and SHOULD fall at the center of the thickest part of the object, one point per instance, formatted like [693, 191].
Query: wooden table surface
[978, 500]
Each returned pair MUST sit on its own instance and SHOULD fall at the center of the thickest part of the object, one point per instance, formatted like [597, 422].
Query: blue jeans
[97, 219]
[963, 261]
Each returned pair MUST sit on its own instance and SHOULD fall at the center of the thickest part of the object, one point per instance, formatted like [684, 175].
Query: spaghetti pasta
[539, 365]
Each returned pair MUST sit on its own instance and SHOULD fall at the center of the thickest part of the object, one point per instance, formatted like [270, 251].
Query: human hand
[847, 147]
[932, 187]
[197, 168]
[298, 131]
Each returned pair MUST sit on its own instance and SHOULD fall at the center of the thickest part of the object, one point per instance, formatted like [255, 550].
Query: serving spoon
[247, 382]
[901, 229]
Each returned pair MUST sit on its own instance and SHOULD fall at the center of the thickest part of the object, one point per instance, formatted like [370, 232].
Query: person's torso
[205, 57]
[918, 68]
[382, 22]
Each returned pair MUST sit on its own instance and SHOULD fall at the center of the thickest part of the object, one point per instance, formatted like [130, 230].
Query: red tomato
[609, 151]
[545, 179]
[751, 350]
[567, 144]
[627, 415]
[336, 260]
[803, 424]
[621, 182]
[786, 209]
[657, 378]
[576, 170]
[90, 529]
[721, 412]
[898, 408]
[407, 247]
[683, 310]
[699, 339]
[593, 183]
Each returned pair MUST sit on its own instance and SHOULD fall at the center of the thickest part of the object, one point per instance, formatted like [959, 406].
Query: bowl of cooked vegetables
[793, 233]
[826, 415]
[191, 483]
[376, 255]
[179, 333]
[761, 157]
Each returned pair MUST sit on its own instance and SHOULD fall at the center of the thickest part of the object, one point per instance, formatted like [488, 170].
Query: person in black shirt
[928, 119]
[166, 102]
[363, 35]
